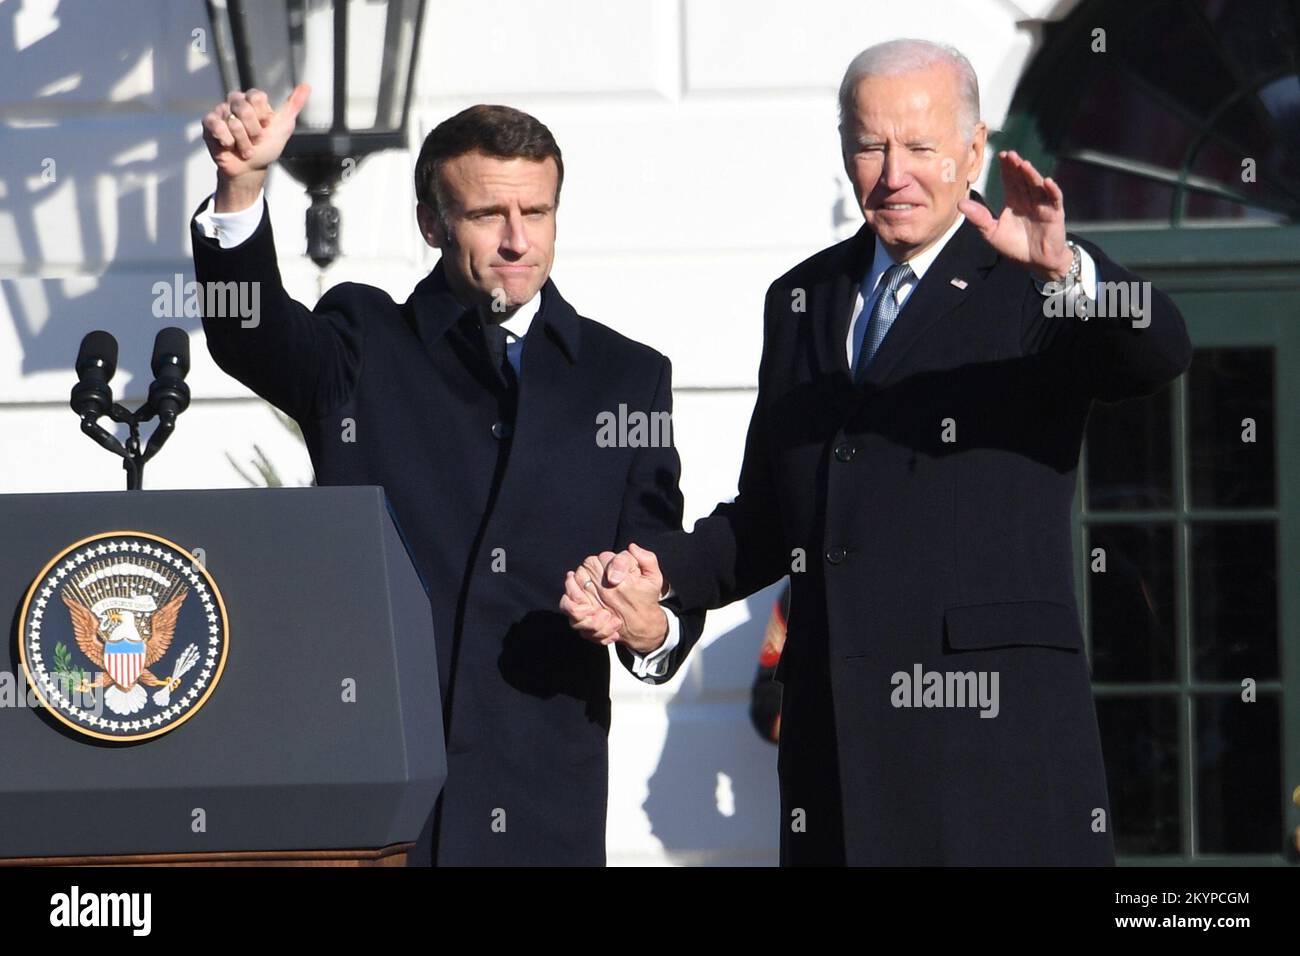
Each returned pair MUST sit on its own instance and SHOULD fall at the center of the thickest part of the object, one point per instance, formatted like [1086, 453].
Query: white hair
[895, 57]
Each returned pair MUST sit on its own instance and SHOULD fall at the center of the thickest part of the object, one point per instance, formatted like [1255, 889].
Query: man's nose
[515, 239]
[895, 171]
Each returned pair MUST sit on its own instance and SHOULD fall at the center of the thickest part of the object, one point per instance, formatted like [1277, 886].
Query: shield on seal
[124, 660]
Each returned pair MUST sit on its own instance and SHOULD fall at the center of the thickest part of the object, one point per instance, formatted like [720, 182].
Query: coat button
[844, 451]
[836, 555]
[501, 430]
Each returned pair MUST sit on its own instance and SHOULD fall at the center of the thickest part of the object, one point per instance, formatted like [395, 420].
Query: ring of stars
[124, 729]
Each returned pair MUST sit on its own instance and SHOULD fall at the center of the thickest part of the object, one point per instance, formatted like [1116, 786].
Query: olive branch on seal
[68, 676]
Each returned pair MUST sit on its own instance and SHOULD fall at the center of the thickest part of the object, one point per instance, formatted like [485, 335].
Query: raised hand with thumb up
[244, 136]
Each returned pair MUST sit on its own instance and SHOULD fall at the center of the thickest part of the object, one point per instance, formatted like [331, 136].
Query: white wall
[701, 162]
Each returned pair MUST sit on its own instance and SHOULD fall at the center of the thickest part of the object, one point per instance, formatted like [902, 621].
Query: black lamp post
[359, 57]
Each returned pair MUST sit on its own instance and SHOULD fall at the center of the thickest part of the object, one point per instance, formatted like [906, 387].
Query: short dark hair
[499, 131]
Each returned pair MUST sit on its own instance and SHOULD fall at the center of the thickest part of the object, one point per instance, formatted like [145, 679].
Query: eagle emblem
[123, 636]
[142, 614]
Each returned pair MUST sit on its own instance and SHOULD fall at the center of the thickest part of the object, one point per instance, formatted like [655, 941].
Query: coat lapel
[435, 308]
[550, 351]
[966, 258]
[437, 311]
[547, 383]
[834, 308]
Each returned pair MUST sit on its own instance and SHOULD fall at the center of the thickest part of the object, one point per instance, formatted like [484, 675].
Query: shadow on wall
[65, 150]
[713, 798]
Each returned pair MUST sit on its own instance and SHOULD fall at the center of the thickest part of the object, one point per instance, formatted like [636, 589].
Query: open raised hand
[1031, 228]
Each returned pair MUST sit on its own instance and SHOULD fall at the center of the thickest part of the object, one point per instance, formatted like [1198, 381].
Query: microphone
[96, 364]
[92, 397]
[168, 394]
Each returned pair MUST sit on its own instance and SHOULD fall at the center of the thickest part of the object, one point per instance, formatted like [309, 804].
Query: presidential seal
[123, 636]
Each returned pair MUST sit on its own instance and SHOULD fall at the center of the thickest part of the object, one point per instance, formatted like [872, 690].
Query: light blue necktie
[883, 314]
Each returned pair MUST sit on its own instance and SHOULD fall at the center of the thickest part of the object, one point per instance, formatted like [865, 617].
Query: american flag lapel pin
[959, 283]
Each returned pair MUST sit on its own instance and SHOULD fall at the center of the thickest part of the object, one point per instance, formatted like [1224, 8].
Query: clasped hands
[615, 597]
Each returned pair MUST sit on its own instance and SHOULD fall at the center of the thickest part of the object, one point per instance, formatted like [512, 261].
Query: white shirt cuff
[229, 228]
[655, 664]
[1087, 279]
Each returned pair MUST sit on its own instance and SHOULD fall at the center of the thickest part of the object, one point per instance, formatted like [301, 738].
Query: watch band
[1076, 265]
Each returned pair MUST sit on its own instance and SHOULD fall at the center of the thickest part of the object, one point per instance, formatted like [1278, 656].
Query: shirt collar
[436, 309]
[519, 323]
[919, 262]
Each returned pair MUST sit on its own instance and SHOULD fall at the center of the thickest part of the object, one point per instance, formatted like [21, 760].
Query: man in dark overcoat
[481, 404]
[910, 464]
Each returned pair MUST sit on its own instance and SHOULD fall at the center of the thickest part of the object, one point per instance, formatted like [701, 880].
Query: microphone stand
[133, 457]
[92, 398]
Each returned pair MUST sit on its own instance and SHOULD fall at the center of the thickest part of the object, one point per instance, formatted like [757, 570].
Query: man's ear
[430, 228]
[979, 137]
[846, 160]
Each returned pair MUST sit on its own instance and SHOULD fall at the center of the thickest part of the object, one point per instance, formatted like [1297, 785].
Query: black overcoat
[924, 519]
[497, 495]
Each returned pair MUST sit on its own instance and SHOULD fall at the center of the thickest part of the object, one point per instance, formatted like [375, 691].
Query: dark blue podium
[198, 677]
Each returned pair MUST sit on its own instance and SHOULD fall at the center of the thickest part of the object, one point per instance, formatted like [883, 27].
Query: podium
[217, 677]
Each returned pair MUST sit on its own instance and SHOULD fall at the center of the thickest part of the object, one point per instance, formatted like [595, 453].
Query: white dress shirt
[232, 228]
[517, 327]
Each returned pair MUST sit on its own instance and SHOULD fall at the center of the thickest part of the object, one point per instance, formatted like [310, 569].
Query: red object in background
[765, 693]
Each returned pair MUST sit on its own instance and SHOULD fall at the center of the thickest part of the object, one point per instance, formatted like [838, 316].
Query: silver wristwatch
[1072, 279]
[1076, 266]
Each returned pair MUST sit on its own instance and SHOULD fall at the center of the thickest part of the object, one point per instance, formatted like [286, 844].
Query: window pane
[1226, 386]
[1206, 210]
[1139, 738]
[1244, 129]
[1234, 601]
[1255, 36]
[1095, 194]
[1238, 775]
[1131, 604]
[1280, 100]
[1119, 117]
[1130, 455]
[1259, 134]
[1185, 64]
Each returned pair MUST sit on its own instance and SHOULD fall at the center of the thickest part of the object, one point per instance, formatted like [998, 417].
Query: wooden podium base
[394, 855]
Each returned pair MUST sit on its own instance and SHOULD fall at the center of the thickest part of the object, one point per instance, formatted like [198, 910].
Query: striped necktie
[883, 314]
